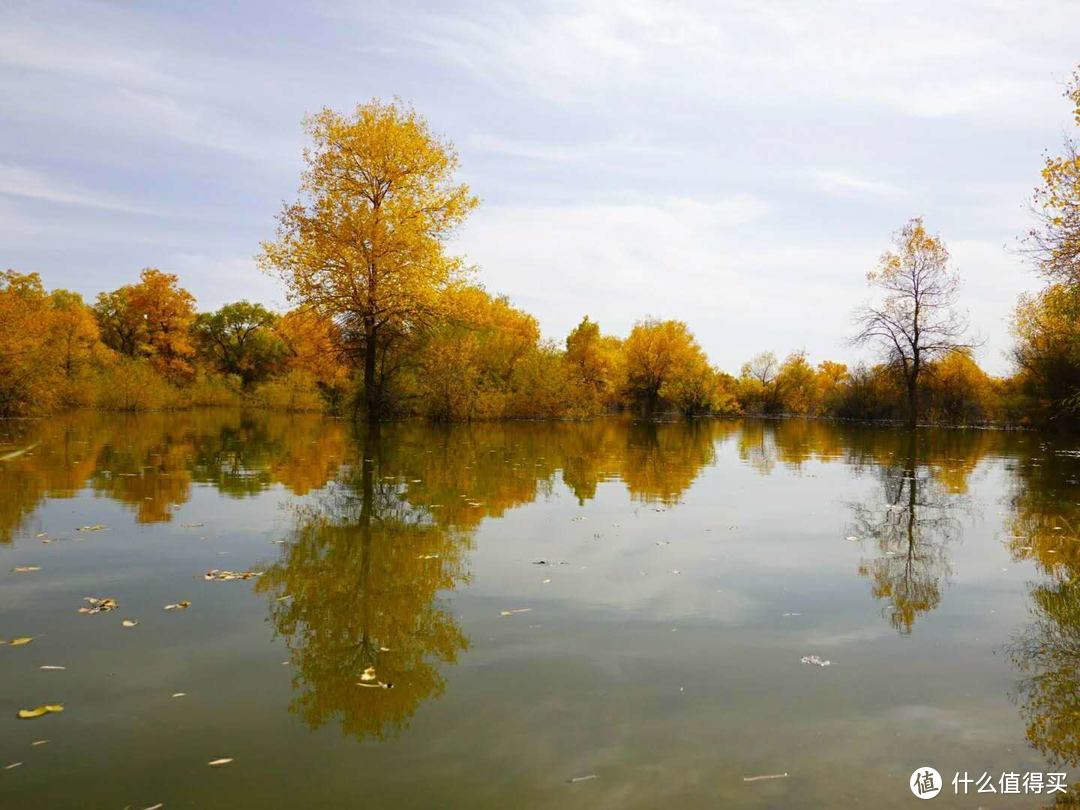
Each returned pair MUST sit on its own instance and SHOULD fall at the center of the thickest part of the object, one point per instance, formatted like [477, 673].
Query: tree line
[385, 323]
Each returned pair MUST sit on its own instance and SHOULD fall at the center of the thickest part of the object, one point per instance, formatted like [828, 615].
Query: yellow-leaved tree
[364, 244]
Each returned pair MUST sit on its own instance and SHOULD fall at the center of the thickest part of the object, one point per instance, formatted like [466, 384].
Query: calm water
[688, 569]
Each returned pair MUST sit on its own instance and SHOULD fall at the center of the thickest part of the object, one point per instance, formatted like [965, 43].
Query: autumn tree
[122, 329]
[758, 388]
[915, 320]
[797, 385]
[594, 363]
[73, 332]
[1054, 244]
[27, 365]
[239, 339]
[364, 243]
[1046, 327]
[662, 357]
[832, 378]
[151, 319]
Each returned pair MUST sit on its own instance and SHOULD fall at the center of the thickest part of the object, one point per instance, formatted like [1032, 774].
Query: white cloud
[20, 181]
[845, 183]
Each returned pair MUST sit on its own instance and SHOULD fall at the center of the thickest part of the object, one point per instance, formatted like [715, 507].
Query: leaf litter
[98, 604]
[40, 711]
[181, 605]
[226, 576]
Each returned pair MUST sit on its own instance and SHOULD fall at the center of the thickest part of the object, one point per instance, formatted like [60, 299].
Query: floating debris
[40, 711]
[18, 642]
[575, 779]
[25, 569]
[99, 604]
[514, 611]
[97, 527]
[192, 525]
[39, 742]
[368, 674]
[52, 668]
[179, 605]
[179, 694]
[225, 576]
[130, 622]
[765, 776]
[12, 765]
[815, 660]
[157, 806]
[793, 614]
[217, 763]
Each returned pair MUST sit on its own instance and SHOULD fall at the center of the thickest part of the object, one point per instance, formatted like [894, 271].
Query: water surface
[617, 600]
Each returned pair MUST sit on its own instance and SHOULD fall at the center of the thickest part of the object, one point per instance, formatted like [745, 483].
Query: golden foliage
[363, 245]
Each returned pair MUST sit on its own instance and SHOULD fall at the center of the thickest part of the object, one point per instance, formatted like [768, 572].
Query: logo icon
[925, 782]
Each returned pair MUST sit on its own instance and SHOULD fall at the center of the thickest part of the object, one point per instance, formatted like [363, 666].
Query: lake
[603, 615]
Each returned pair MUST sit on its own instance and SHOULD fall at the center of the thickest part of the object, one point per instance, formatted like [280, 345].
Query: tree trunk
[372, 393]
[913, 402]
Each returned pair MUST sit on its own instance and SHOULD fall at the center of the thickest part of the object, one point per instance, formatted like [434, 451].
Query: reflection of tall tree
[1044, 529]
[357, 589]
[911, 529]
[661, 461]
[1047, 652]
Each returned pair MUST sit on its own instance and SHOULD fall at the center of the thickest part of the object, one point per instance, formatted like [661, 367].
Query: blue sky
[738, 165]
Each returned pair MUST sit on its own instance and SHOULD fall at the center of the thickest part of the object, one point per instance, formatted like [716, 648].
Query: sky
[736, 165]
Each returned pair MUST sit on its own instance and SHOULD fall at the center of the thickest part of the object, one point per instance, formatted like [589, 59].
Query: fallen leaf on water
[12, 765]
[99, 604]
[25, 569]
[39, 742]
[51, 668]
[224, 576]
[130, 622]
[515, 610]
[215, 763]
[39, 711]
[18, 642]
[179, 694]
[179, 605]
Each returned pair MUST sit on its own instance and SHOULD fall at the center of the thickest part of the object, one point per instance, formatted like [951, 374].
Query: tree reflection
[358, 587]
[911, 527]
[1047, 650]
